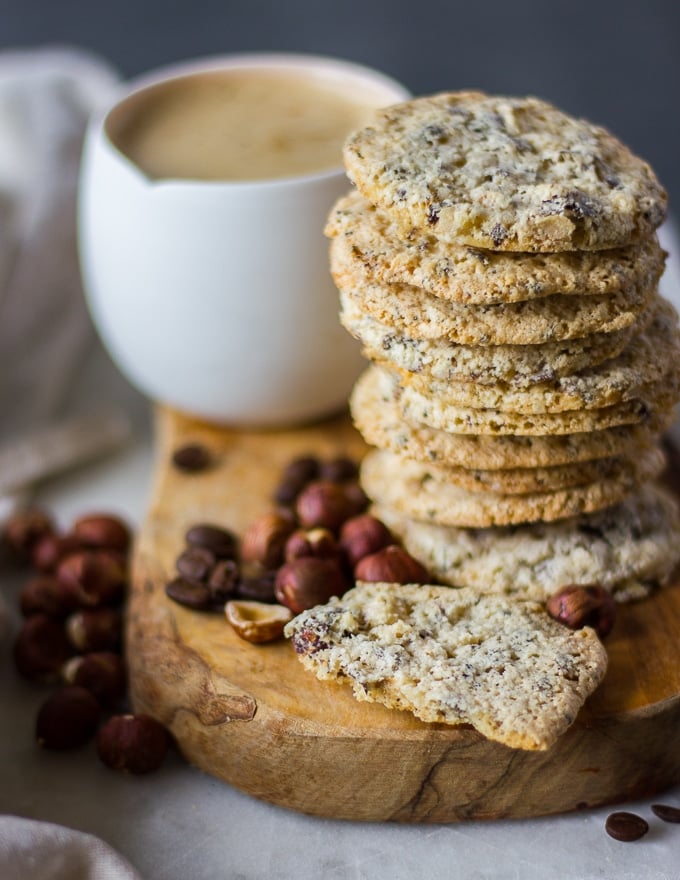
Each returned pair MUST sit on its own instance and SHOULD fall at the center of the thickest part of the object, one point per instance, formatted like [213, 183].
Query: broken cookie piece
[454, 657]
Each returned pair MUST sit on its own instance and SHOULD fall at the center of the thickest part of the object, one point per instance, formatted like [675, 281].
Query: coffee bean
[258, 589]
[195, 596]
[219, 541]
[296, 475]
[195, 564]
[626, 826]
[191, 457]
[666, 812]
[223, 581]
[339, 470]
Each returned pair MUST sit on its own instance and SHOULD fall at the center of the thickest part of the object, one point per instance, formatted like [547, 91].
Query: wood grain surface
[251, 716]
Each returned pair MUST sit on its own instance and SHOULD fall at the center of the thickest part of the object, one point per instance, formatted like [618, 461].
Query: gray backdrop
[616, 63]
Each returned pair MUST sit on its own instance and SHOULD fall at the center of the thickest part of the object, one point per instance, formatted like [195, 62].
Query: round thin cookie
[414, 490]
[531, 480]
[518, 365]
[378, 418]
[652, 403]
[413, 312]
[366, 241]
[650, 357]
[509, 174]
[629, 549]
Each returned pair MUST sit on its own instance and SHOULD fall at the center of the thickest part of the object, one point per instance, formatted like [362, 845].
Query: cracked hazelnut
[578, 606]
[257, 622]
[391, 564]
[132, 743]
[308, 581]
[95, 629]
[44, 594]
[311, 542]
[323, 504]
[264, 540]
[363, 535]
[67, 719]
[102, 673]
[93, 577]
[103, 531]
[41, 648]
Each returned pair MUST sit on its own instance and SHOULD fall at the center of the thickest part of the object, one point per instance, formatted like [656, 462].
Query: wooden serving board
[252, 716]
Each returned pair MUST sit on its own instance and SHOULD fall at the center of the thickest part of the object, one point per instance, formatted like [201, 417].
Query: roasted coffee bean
[626, 826]
[666, 812]
[192, 457]
[218, 540]
[223, 581]
[196, 596]
[296, 475]
[195, 564]
[259, 588]
[339, 470]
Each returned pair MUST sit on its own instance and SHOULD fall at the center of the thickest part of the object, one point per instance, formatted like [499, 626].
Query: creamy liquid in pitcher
[239, 125]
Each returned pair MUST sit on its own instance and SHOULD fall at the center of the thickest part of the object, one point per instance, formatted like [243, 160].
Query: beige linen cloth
[46, 97]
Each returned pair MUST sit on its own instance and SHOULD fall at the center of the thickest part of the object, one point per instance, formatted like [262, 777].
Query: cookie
[378, 418]
[412, 312]
[366, 242]
[422, 492]
[518, 365]
[532, 479]
[509, 174]
[454, 657]
[650, 357]
[651, 404]
[629, 549]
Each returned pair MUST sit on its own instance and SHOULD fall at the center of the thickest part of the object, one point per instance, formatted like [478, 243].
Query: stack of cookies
[499, 263]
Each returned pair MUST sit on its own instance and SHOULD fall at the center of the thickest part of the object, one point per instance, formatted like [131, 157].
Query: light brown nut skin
[391, 564]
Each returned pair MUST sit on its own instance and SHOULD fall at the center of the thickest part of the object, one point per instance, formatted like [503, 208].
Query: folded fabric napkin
[32, 850]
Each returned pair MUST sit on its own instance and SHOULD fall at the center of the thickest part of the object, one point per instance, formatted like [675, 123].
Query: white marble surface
[181, 823]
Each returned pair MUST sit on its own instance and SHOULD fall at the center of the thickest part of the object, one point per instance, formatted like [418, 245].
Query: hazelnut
[103, 531]
[95, 629]
[93, 577]
[257, 622]
[363, 535]
[132, 743]
[578, 606]
[49, 550]
[308, 581]
[391, 564]
[67, 719]
[44, 594]
[264, 540]
[324, 504]
[218, 540]
[311, 542]
[101, 673]
[25, 528]
[41, 648]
